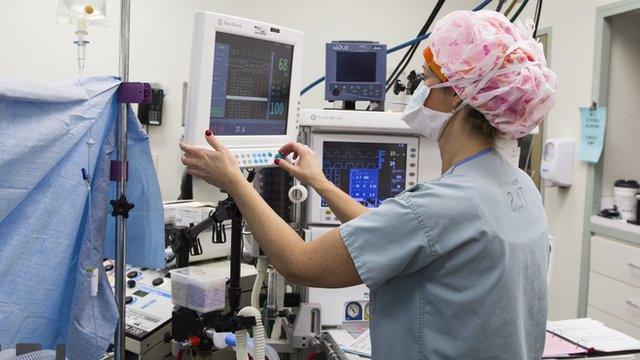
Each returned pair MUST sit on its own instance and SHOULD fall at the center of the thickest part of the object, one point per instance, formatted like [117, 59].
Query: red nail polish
[276, 161]
[208, 133]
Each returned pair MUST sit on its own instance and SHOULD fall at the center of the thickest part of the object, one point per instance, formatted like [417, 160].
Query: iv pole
[121, 221]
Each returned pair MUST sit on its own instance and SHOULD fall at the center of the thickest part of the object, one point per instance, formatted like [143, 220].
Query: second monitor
[370, 168]
[243, 86]
[355, 71]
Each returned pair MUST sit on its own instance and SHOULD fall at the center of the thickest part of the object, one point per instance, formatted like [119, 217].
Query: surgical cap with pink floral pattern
[496, 67]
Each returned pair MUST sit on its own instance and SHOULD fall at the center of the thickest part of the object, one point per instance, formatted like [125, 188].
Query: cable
[515, 16]
[538, 12]
[500, 3]
[510, 7]
[411, 51]
[310, 86]
[402, 65]
[393, 75]
[422, 31]
[481, 6]
[407, 43]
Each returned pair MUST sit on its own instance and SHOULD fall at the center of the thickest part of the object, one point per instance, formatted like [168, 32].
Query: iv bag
[89, 12]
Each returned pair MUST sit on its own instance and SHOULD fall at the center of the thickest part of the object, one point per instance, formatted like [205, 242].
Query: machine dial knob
[354, 310]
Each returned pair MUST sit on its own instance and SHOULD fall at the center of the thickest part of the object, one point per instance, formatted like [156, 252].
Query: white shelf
[619, 229]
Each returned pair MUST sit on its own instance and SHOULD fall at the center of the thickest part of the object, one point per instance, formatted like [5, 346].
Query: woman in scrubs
[457, 265]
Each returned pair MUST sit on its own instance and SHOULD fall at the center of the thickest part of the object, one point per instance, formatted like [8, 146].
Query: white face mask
[427, 122]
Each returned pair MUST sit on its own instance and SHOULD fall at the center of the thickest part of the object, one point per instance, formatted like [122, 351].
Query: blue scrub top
[456, 266]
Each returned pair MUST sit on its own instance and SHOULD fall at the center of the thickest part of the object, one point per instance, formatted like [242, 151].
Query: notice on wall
[593, 123]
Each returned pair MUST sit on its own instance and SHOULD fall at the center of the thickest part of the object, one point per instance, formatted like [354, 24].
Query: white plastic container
[624, 193]
[556, 168]
[198, 289]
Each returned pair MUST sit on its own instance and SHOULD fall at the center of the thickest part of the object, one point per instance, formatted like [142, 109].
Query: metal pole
[121, 222]
[236, 252]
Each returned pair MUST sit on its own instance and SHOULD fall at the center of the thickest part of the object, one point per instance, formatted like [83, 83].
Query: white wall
[32, 46]
[622, 145]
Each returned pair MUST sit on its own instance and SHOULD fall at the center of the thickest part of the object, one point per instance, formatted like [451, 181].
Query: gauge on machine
[353, 311]
[366, 311]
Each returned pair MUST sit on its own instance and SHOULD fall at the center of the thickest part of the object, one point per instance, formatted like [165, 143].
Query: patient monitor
[244, 86]
[371, 168]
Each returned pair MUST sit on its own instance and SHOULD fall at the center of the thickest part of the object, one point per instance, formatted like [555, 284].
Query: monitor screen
[368, 172]
[251, 85]
[355, 66]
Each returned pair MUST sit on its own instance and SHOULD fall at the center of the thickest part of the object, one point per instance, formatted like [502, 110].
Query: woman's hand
[307, 169]
[218, 167]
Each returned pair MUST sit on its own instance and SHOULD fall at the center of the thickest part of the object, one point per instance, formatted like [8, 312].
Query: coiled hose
[277, 327]
[38, 355]
[7, 354]
[10, 354]
[261, 267]
[270, 353]
[242, 336]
